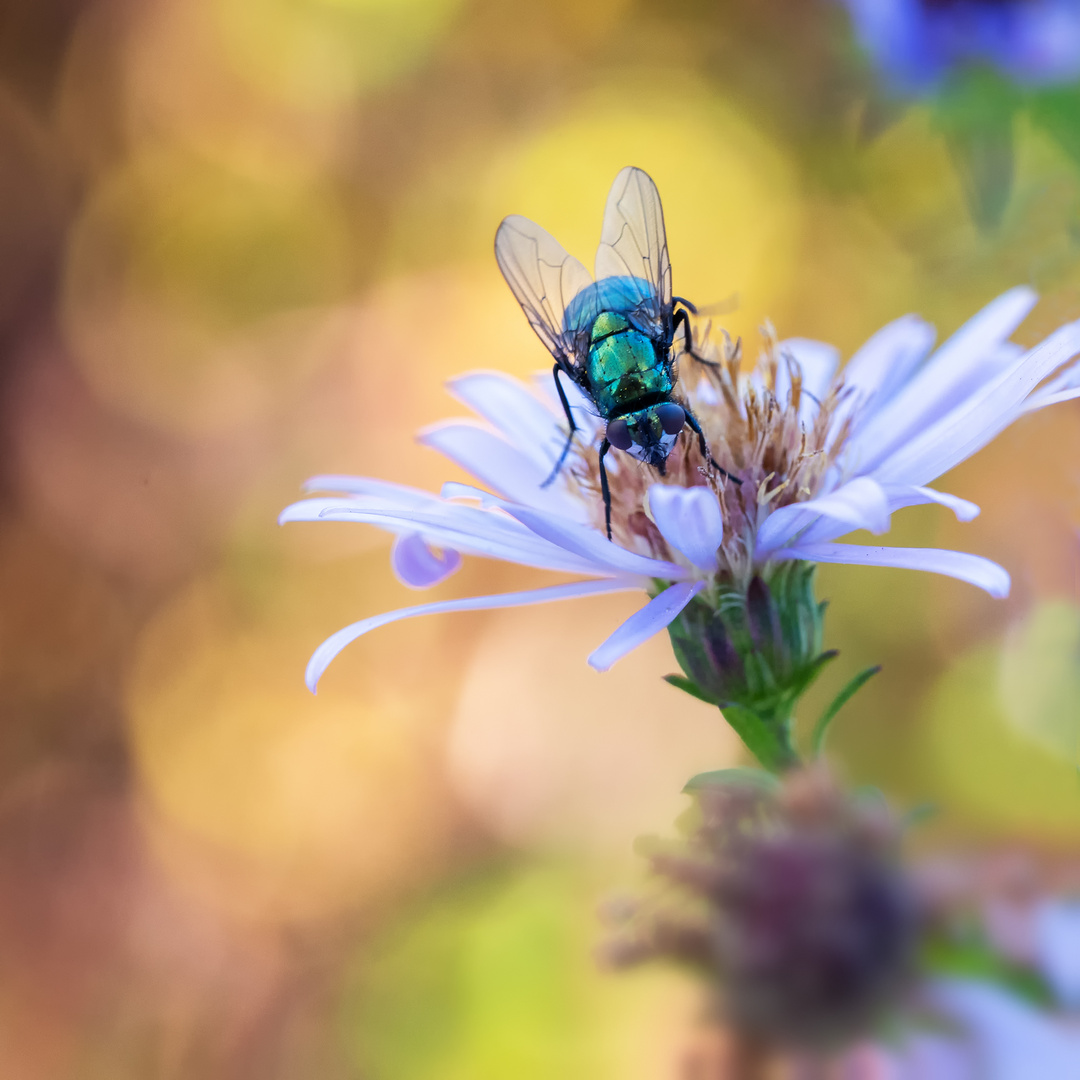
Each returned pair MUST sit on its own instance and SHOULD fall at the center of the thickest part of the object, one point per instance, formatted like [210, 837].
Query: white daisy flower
[819, 452]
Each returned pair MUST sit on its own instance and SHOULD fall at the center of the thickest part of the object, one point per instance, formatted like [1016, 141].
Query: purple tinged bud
[761, 616]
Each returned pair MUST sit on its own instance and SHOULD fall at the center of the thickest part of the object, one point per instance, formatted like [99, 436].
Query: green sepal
[821, 728]
[691, 688]
[720, 777]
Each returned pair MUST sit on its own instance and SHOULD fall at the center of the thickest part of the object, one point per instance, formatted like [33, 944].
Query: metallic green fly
[613, 337]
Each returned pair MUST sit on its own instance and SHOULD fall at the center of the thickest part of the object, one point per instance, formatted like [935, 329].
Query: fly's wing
[633, 242]
[544, 279]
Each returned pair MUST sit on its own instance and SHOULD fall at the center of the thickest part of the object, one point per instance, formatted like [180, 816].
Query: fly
[613, 336]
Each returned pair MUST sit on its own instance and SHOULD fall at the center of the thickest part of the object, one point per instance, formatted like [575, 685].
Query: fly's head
[648, 434]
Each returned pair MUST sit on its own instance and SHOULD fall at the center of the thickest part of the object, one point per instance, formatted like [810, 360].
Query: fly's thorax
[625, 365]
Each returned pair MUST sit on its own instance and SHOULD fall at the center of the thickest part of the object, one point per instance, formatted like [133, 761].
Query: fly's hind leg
[570, 436]
[682, 318]
[706, 453]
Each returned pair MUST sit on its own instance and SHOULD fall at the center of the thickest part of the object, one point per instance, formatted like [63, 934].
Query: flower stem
[769, 741]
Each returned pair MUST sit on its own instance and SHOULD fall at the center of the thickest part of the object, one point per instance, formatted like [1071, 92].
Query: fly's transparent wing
[633, 242]
[543, 278]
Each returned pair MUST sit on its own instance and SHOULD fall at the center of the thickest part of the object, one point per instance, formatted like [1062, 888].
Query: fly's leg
[706, 453]
[570, 436]
[605, 491]
[683, 319]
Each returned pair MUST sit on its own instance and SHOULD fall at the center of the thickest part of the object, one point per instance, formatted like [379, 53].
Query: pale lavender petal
[325, 653]
[359, 491]
[452, 489]
[971, 426]
[816, 362]
[588, 544]
[1068, 378]
[903, 495]
[878, 369]
[976, 354]
[365, 485]
[1057, 943]
[859, 504]
[705, 393]
[1011, 1038]
[589, 549]
[417, 564]
[582, 409]
[309, 509]
[886, 360]
[1042, 398]
[467, 529]
[689, 519]
[514, 410]
[973, 569]
[983, 331]
[899, 496]
[493, 461]
[642, 625]
[325, 507]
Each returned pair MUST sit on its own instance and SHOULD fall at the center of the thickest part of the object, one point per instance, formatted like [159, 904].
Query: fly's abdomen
[623, 366]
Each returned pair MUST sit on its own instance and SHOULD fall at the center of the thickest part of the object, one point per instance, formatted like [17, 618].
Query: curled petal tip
[312, 676]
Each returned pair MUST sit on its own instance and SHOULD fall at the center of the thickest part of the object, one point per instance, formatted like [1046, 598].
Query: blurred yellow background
[245, 241]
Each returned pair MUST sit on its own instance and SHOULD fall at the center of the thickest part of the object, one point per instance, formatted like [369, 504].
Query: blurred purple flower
[852, 448]
[791, 901]
[916, 43]
[791, 898]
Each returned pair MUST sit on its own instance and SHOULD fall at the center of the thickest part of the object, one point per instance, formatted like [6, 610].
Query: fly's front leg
[683, 319]
[570, 421]
[605, 491]
[706, 453]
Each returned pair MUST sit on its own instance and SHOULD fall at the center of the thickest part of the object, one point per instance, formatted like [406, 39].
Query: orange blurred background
[244, 241]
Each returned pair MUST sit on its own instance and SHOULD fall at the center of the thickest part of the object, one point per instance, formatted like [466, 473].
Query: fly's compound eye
[671, 417]
[618, 434]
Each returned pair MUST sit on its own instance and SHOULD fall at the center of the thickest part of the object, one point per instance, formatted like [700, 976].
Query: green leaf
[769, 742]
[984, 161]
[747, 776]
[972, 957]
[1057, 110]
[691, 688]
[821, 728]
[975, 112]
